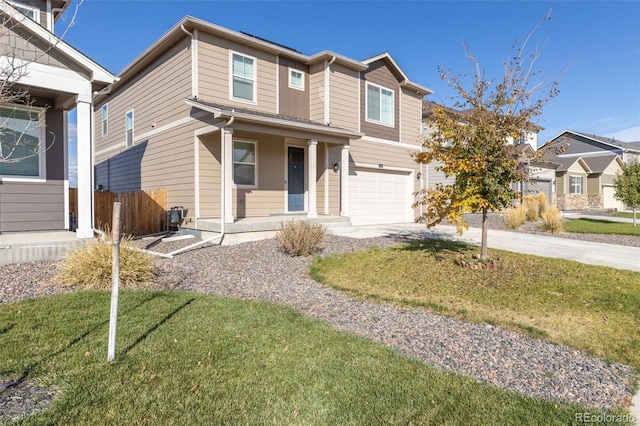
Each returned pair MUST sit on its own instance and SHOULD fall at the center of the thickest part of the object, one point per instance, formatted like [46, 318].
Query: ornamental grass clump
[515, 217]
[552, 220]
[300, 238]
[543, 203]
[533, 208]
[89, 266]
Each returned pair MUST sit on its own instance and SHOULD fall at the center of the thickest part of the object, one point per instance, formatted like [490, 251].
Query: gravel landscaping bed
[260, 271]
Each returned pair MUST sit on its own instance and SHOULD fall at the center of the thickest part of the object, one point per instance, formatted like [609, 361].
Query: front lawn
[184, 358]
[593, 308]
[594, 226]
[628, 215]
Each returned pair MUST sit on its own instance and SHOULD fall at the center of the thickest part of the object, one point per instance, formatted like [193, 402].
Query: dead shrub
[89, 266]
[532, 206]
[300, 238]
[552, 220]
[515, 217]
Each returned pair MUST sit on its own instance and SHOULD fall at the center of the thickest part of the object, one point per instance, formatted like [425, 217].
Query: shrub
[552, 220]
[300, 238]
[515, 217]
[542, 203]
[90, 266]
[532, 208]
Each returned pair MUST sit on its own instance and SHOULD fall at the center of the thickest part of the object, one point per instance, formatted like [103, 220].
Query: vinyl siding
[613, 168]
[378, 73]
[410, 117]
[214, 72]
[26, 206]
[316, 93]
[152, 107]
[210, 179]
[593, 185]
[334, 181]
[293, 102]
[343, 98]
[607, 178]
[561, 184]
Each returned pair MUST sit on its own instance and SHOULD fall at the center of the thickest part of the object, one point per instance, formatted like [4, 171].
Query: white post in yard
[115, 279]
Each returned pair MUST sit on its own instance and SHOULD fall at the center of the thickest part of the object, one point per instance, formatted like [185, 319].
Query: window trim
[571, 185]
[366, 105]
[104, 119]
[302, 75]
[255, 163]
[253, 101]
[133, 126]
[42, 156]
[35, 10]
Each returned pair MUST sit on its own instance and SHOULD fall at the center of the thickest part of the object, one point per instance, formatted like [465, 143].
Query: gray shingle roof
[612, 141]
[600, 163]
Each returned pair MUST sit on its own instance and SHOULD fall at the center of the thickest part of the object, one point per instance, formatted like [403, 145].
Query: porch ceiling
[272, 120]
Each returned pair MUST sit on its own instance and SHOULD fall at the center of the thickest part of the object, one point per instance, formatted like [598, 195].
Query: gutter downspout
[222, 206]
[194, 59]
[327, 90]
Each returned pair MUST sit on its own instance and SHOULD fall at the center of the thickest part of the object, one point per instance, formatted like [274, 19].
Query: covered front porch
[255, 170]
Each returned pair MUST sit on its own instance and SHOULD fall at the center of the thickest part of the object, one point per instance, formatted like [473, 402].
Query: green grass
[628, 215]
[592, 308]
[184, 358]
[593, 226]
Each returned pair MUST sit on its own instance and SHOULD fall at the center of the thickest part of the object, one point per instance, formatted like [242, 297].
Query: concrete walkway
[622, 257]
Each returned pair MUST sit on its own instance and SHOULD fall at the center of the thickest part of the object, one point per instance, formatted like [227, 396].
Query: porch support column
[344, 181]
[227, 174]
[312, 211]
[85, 171]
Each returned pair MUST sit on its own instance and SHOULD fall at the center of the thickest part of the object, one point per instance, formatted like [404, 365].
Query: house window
[243, 77]
[21, 136]
[244, 163]
[105, 116]
[379, 105]
[28, 11]
[575, 186]
[522, 139]
[296, 79]
[128, 127]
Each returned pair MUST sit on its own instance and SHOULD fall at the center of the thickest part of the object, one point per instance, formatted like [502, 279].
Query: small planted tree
[627, 186]
[470, 140]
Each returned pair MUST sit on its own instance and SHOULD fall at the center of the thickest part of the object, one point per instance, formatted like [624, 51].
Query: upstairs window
[28, 11]
[128, 128]
[379, 104]
[296, 79]
[575, 186]
[105, 117]
[244, 163]
[243, 77]
[21, 138]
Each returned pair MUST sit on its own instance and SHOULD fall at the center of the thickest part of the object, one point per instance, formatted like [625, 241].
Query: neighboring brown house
[571, 183]
[234, 126]
[600, 189]
[34, 192]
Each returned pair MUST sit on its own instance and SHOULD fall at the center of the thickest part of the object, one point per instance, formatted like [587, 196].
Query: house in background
[233, 126]
[34, 192]
[589, 166]
[541, 172]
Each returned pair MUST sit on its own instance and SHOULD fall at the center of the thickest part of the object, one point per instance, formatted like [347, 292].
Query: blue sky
[593, 47]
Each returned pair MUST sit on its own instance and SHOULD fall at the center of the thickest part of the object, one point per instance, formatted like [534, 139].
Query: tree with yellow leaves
[470, 140]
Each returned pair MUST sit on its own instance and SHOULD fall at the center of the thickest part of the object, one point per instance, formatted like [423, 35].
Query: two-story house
[233, 126]
[34, 133]
[590, 164]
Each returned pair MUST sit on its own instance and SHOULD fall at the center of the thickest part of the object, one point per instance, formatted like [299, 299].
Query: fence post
[115, 281]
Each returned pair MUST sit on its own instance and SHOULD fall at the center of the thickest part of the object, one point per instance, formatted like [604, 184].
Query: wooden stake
[115, 280]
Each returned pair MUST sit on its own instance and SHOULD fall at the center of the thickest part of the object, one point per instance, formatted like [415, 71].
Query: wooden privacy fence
[143, 212]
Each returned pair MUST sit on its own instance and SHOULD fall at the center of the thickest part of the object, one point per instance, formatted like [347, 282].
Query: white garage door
[377, 197]
[609, 200]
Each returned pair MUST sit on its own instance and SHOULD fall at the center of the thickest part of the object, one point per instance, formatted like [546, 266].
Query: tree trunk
[485, 225]
[634, 216]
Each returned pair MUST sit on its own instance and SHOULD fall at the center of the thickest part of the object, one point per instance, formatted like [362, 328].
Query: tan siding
[378, 73]
[214, 72]
[316, 93]
[410, 117]
[210, 179]
[376, 153]
[576, 168]
[293, 102]
[343, 98]
[613, 168]
[334, 181]
[561, 184]
[607, 179]
[593, 185]
[320, 172]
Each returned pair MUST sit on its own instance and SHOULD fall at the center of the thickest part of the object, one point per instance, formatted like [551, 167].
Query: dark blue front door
[295, 184]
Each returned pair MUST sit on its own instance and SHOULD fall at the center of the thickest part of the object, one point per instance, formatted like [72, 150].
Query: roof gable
[598, 164]
[598, 142]
[397, 72]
